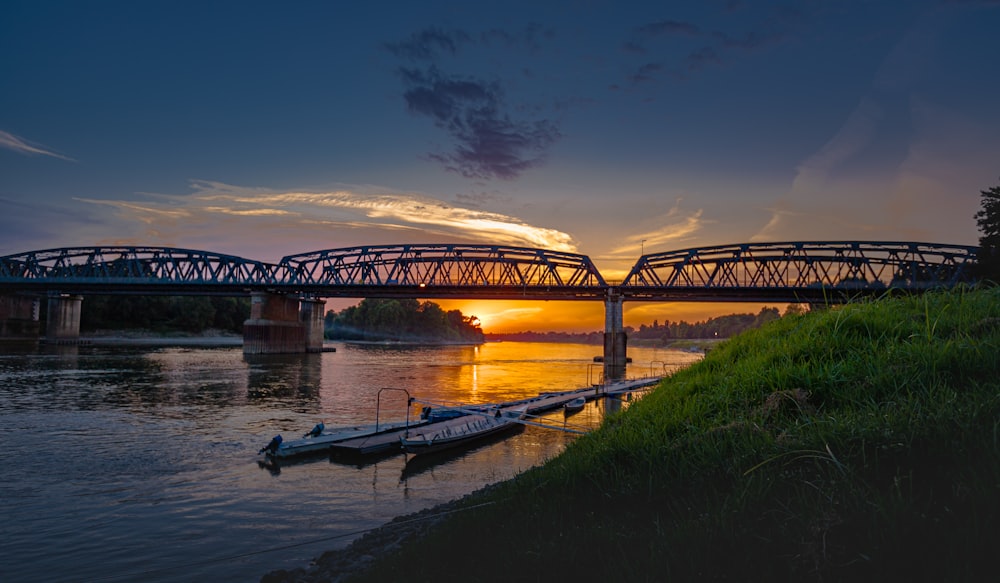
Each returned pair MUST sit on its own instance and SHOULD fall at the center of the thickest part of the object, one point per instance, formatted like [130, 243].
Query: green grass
[855, 443]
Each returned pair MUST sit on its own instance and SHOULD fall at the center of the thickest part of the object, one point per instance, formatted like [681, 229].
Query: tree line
[164, 313]
[401, 320]
[719, 327]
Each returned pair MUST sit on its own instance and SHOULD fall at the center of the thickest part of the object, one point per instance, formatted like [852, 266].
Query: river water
[128, 463]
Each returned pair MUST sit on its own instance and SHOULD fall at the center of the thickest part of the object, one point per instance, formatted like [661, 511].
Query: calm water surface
[140, 463]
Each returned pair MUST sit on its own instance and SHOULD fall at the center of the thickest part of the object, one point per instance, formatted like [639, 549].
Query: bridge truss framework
[793, 271]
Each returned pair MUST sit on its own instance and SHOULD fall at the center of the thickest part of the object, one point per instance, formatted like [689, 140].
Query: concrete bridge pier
[311, 314]
[274, 326]
[63, 318]
[19, 317]
[283, 324]
[615, 339]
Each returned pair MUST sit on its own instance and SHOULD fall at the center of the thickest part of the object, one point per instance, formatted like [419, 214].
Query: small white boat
[459, 431]
[574, 405]
[322, 440]
[435, 414]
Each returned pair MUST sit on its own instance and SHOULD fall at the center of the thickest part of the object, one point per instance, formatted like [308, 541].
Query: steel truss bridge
[819, 271]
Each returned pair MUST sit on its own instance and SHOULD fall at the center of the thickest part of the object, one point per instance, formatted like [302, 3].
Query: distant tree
[764, 316]
[794, 310]
[988, 220]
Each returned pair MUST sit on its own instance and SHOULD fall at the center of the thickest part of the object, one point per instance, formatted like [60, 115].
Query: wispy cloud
[675, 226]
[850, 140]
[490, 138]
[22, 146]
[883, 172]
[343, 208]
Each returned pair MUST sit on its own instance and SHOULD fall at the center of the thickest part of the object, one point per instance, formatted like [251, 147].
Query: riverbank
[854, 443]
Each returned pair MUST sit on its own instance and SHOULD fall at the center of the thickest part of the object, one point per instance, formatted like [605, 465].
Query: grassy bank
[857, 443]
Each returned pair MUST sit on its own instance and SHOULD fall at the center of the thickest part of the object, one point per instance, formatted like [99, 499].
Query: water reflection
[156, 449]
[418, 464]
[284, 376]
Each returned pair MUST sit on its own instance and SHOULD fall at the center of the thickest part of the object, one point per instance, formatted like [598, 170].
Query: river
[128, 462]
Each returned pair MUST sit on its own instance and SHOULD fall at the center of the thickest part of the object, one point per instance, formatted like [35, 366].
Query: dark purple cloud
[488, 143]
[701, 58]
[646, 72]
[693, 48]
[428, 44]
[532, 37]
[669, 28]
[487, 140]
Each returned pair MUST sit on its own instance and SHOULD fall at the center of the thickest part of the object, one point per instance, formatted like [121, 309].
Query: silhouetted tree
[988, 219]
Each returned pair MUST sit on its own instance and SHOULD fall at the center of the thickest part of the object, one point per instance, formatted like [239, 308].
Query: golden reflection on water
[454, 375]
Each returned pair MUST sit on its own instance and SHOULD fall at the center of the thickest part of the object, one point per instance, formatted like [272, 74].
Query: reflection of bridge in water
[287, 305]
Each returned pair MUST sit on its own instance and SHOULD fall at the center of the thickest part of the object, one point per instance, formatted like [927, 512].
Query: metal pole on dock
[378, 404]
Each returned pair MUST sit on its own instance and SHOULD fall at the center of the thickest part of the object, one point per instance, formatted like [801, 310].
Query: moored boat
[574, 406]
[459, 431]
[443, 413]
[322, 441]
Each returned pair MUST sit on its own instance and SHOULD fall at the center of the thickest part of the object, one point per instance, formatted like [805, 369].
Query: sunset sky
[263, 129]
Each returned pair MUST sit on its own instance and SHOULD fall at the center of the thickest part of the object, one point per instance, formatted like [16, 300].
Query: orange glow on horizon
[504, 316]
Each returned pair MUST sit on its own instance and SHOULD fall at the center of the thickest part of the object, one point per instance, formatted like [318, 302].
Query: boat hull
[323, 442]
[455, 433]
[574, 406]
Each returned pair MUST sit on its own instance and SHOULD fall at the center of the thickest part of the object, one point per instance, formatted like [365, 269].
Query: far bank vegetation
[662, 334]
[405, 320]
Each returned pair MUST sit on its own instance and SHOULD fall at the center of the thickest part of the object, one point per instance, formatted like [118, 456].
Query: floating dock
[389, 441]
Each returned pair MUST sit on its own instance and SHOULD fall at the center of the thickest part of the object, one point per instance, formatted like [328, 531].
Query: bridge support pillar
[63, 318]
[274, 326]
[311, 314]
[615, 339]
[19, 317]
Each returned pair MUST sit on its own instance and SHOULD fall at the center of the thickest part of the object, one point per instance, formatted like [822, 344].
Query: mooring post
[615, 339]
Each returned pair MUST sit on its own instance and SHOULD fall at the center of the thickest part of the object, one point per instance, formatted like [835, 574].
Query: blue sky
[263, 129]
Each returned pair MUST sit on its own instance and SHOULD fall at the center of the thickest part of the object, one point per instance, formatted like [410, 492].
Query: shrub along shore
[855, 443]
